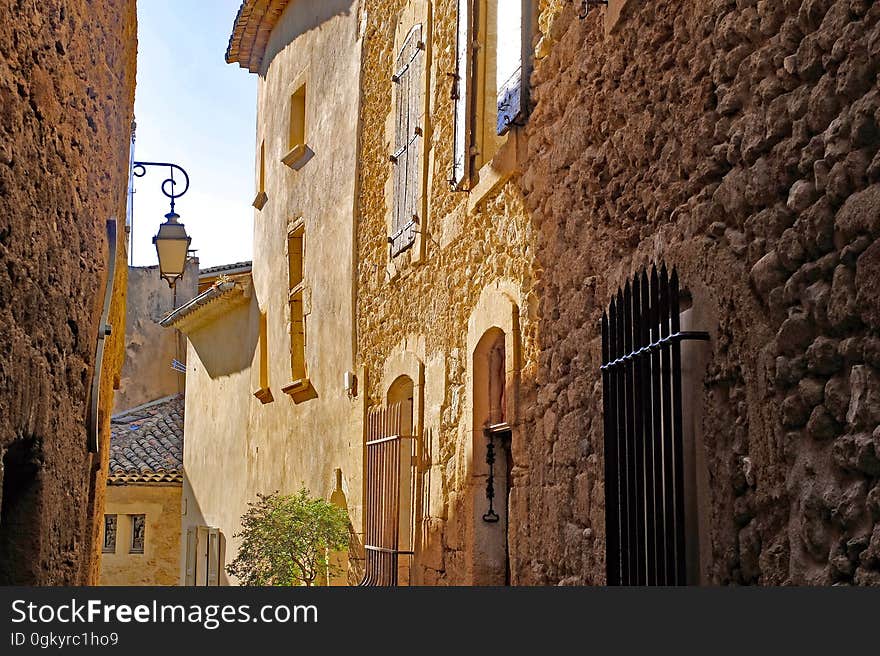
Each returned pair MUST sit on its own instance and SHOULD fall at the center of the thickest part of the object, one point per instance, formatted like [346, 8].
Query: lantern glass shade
[172, 245]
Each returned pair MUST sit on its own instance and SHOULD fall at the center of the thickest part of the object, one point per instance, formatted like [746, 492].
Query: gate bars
[644, 478]
[388, 450]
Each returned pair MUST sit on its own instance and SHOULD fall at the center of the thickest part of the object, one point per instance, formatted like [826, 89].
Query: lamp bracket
[139, 170]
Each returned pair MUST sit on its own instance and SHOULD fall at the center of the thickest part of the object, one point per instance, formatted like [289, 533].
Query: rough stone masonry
[67, 75]
[736, 140]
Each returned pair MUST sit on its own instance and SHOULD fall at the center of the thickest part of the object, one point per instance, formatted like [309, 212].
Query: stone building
[147, 373]
[67, 78]
[732, 145]
[270, 350]
[589, 301]
[447, 315]
[140, 542]
[736, 142]
[146, 443]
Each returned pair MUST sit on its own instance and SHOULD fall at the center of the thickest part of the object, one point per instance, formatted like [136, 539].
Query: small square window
[296, 141]
[109, 545]
[138, 529]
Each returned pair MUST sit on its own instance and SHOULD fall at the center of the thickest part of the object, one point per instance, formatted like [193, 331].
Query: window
[263, 393]
[408, 134]
[491, 80]
[261, 197]
[297, 303]
[296, 141]
[650, 539]
[109, 534]
[138, 530]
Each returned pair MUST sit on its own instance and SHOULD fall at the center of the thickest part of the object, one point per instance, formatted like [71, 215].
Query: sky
[195, 110]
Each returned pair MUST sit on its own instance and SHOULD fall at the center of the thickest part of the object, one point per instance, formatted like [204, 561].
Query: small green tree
[286, 539]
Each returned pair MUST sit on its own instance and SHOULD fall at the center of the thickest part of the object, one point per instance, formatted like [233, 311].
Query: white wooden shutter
[213, 557]
[407, 141]
[514, 35]
[462, 95]
[190, 572]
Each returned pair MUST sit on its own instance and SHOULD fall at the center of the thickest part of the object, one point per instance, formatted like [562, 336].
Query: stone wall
[67, 76]
[147, 374]
[736, 140]
[159, 562]
[420, 309]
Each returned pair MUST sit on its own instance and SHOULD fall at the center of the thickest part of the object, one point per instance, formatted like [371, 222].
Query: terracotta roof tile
[146, 442]
[251, 31]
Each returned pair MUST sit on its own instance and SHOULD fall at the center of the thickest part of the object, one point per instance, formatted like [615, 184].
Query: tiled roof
[146, 443]
[212, 303]
[250, 34]
[225, 267]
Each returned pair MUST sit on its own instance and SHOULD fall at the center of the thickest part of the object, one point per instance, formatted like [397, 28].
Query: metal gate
[390, 475]
[644, 478]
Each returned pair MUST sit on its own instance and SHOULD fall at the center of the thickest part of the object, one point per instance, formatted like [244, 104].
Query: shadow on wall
[195, 546]
[226, 347]
[302, 17]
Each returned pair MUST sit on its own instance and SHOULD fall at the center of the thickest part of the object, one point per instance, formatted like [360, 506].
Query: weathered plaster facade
[259, 420]
[67, 77]
[158, 564]
[737, 141]
[147, 374]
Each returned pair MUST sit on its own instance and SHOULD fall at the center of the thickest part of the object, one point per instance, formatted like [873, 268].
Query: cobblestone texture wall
[738, 141]
[67, 75]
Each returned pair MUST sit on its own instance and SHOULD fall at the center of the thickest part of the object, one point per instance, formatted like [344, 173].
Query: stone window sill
[264, 394]
[260, 200]
[300, 390]
[496, 172]
[296, 157]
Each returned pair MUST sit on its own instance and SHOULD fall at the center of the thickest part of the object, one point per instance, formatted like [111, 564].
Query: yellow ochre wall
[474, 273]
[158, 565]
[237, 446]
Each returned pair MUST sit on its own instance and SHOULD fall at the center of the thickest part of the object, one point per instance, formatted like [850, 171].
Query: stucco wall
[158, 565]
[147, 374]
[738, 142]
[237, 446]
[67, 77]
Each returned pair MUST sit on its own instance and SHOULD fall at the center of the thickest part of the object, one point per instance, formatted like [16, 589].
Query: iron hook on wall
[586, 5]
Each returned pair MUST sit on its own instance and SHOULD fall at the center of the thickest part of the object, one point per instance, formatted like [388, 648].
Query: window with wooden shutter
[213, 556]
[408, 80]
[295, 256]
[491, 82]
[461, 94]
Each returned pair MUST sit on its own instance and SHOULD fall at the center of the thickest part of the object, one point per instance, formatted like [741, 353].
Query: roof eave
[250, 33]
[218, 299]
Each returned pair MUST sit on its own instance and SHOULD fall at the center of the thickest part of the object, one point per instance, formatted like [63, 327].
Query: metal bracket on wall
[586, 5]
[93, 429]
[490, 515]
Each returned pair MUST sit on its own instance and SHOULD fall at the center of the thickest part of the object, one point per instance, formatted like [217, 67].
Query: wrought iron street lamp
[172, 242]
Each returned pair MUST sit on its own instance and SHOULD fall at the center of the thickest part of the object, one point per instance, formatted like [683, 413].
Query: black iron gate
[644, 478]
